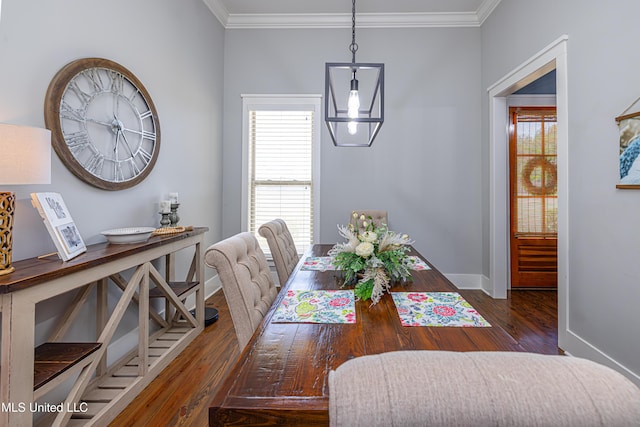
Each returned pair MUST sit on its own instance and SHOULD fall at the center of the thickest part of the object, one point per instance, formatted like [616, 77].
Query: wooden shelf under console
[53, 359]
[98, 391]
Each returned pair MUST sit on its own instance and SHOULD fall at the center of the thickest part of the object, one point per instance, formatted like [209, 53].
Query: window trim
[275, 102]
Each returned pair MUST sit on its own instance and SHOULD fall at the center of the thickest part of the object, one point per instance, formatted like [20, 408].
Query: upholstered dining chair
[283, 249]
[479, 388]
[247, 282]
[378, 217]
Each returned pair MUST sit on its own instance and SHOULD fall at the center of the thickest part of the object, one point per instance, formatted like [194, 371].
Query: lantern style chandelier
[355, 113]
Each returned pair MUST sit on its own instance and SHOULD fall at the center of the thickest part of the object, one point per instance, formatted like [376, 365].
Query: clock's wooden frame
[52, 103]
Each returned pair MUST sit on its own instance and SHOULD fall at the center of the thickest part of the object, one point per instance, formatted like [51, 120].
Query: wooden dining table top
[281, 376]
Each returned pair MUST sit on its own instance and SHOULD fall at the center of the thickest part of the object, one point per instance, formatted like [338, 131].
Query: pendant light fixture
[355, 113]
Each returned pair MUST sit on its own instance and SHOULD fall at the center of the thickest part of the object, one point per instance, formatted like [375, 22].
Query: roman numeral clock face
[104, 125]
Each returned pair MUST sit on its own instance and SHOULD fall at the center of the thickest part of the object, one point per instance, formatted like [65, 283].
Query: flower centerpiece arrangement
[372, 257]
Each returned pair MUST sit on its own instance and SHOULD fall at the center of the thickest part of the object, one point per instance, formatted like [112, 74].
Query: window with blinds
[281, 140]
[534, 148]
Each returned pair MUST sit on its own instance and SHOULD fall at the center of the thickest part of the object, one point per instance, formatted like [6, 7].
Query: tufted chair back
[283, 249]
[246, 281]
[379, 217]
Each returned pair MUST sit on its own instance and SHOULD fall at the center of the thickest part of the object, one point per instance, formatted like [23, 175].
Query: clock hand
[116, 106]
[115, 147]
[116, 127]
[124, 137]
[143, 133]
[98, 122]
[132, 131]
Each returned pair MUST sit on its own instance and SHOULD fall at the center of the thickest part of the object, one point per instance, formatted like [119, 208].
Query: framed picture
[629, 128]
[59, 223]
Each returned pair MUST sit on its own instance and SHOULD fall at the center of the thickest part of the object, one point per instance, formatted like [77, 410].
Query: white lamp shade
[25, 155]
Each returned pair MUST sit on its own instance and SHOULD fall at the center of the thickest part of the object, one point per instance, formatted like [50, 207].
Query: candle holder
[173, 216]
[165, 221]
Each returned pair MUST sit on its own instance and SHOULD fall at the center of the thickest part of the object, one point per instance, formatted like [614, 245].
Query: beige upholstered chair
[246, 281]
[283, 249]
[378, 217]
[441, 388]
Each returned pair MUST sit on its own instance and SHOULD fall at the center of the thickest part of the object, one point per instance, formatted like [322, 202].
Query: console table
[99, 391]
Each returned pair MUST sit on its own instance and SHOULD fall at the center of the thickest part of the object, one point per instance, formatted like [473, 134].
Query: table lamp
[25, 158]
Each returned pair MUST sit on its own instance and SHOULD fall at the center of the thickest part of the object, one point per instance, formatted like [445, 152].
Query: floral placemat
[419, 264]
[436, 309]
[323, 263]
[318, 263]
[300, 306]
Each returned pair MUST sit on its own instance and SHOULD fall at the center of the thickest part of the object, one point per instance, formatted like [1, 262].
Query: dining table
[281, 376]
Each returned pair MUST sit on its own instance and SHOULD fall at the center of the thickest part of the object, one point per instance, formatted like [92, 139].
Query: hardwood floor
[529, 316]
[180, 395]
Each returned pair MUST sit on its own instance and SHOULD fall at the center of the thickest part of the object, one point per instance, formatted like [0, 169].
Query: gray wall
[176, 50]
[603, 270]
[423, 167]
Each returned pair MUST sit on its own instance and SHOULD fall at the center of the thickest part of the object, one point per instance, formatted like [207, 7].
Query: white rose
[364, 249]
[369, 236]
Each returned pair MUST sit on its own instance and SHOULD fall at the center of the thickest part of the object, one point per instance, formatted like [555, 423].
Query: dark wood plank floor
[180, 395]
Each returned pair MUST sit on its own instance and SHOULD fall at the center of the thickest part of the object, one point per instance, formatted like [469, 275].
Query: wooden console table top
[34, 271]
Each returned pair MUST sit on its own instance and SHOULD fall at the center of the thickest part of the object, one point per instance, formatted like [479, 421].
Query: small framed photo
[59, 223]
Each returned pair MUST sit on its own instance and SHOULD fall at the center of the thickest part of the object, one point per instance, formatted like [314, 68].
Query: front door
[534, 200]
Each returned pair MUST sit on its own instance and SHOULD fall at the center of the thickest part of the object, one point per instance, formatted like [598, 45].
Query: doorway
[553, 56]
[533, 195]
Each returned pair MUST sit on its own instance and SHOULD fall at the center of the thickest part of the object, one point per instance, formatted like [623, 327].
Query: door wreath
[551, 176]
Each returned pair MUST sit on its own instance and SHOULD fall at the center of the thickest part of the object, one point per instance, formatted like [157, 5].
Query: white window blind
[281, 170]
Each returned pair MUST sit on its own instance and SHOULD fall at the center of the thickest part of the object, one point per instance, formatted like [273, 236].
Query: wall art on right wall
[629, 128]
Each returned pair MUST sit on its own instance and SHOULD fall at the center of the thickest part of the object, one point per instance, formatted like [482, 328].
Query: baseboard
[578, 347]
[466, 281]
[212, 286]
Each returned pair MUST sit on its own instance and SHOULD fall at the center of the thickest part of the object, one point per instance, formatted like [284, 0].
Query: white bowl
[120, 236]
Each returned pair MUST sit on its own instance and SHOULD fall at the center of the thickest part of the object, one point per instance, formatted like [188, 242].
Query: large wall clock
[104, 126]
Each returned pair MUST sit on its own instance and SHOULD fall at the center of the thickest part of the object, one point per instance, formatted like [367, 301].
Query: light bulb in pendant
[352, 128]
[353, 105]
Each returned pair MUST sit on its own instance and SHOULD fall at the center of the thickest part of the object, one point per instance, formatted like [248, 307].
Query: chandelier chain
[354, 46]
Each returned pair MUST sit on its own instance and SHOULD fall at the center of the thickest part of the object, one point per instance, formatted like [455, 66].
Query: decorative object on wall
[629, 130]
[59, 224]
[104, 125]
[355, 113]
[25, 158]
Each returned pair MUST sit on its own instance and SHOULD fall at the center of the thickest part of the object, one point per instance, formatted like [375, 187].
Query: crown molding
[485, 9]
[340, 20]
[343, 20]
[219, 11]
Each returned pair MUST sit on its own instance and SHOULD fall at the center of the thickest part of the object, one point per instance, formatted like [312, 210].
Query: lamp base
[7, 271]
[7, 207]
